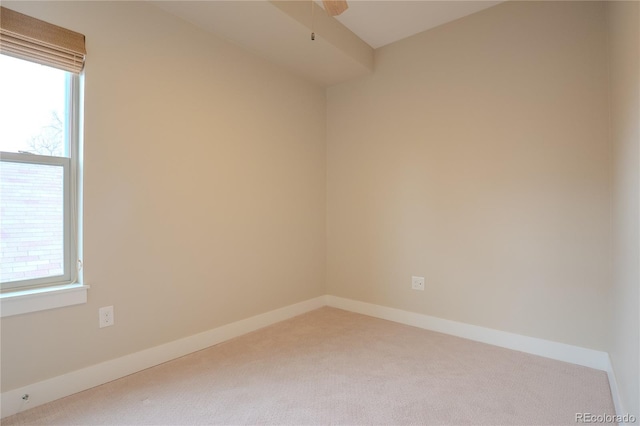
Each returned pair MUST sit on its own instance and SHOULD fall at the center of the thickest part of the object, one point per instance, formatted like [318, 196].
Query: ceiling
[379, 23]
[279, 31]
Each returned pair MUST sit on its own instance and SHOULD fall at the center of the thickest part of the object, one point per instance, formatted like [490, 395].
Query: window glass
[32, 221]
[33, 108]
[37, 243]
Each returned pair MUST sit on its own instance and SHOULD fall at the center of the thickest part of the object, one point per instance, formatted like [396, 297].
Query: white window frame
[18, 297]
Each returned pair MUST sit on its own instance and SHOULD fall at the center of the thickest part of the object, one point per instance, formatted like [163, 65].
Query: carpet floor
[335, 367]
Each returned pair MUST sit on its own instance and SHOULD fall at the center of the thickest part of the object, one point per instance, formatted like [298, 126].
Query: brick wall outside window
[31, 221]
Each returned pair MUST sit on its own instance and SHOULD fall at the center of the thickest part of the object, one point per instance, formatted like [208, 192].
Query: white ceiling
[279, 31]
[382, 22]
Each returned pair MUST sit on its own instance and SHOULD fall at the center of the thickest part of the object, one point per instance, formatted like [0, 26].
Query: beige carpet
[335, 367]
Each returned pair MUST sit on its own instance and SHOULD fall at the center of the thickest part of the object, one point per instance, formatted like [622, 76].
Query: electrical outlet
[105, 316]
[417, 283]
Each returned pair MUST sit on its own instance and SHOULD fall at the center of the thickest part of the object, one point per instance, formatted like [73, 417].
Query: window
[39, 152]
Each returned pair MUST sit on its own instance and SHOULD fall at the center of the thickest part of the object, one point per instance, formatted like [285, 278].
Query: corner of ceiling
[327, 27]
[279, 31]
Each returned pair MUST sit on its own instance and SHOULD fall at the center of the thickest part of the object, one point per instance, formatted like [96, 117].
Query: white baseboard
[613, 385]
[531, 345]
[86, 378]
[95, 375]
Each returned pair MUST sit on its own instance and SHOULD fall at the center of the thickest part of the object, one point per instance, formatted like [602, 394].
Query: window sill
[25, 301]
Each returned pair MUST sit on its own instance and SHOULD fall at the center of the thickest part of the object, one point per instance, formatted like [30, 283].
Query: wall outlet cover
[417, 283]
[105, 316]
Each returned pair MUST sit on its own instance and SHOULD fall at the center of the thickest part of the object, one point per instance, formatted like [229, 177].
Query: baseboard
[532, 345]
[95, 375]
[615, 394]
[86, 378]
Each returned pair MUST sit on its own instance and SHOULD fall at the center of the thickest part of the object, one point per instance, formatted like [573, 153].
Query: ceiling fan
[332, 7]
[335, 7]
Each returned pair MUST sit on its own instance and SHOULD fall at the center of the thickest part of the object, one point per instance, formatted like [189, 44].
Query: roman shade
[24, 37]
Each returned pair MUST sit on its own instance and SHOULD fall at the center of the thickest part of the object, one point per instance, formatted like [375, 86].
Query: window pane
[31, 221]
[32, 108]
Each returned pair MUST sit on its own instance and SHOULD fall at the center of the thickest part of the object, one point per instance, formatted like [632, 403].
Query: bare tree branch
[50, 141]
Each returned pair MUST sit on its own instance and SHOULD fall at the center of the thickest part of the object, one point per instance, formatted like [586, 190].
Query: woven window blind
[37, 41]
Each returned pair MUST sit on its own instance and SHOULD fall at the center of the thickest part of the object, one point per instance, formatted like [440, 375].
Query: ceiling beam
[329, 29]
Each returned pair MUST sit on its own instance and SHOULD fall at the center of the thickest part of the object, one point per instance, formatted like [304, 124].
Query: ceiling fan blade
[335, 7]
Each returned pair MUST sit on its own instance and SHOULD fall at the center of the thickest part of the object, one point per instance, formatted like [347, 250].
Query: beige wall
[204, 190]
[624, 48]
[477, 156]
